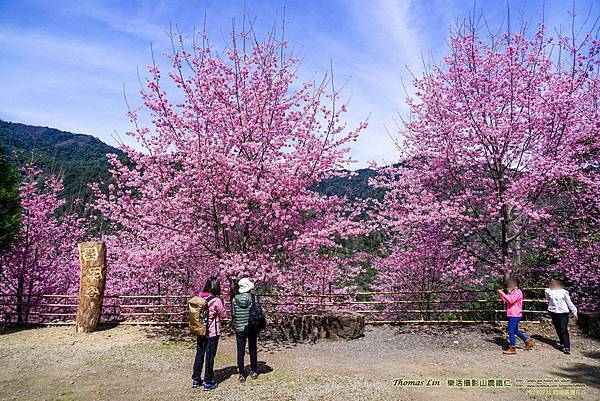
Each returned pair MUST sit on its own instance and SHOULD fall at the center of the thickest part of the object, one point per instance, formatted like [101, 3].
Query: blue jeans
[513, 328]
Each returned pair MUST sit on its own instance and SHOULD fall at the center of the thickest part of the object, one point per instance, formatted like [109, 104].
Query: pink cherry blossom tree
[223, 183]
[43, 259]
[574, 253]
[494, 133]
[418, 254]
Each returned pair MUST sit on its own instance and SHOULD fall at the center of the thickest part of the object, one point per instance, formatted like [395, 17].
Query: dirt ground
[151, 363]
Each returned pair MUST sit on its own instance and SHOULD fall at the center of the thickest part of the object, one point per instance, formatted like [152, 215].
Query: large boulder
[314, 326]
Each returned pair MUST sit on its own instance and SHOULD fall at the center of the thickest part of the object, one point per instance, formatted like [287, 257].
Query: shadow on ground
[168, 333]
[269, 340]
[583, 372]
[549, 341]
[9, 328]
[499, 341]
[223, 374]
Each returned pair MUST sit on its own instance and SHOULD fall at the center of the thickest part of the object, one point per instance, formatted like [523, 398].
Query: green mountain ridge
[80, 159]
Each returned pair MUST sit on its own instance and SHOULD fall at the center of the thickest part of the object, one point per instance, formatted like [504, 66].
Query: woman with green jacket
[240, 312]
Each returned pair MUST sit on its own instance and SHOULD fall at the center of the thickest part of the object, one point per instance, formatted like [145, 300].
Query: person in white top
[559, 306]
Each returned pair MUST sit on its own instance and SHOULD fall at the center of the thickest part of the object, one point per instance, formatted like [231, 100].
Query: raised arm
[512, 297]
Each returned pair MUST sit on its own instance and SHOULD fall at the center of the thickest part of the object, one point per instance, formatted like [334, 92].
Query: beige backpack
[198, 313]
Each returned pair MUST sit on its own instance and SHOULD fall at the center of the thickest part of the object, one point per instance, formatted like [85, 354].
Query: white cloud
[73, 80]
[391, 41]
[61, 50]
[138, 24]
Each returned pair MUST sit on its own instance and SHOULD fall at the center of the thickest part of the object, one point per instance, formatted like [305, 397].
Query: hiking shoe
[253, 375]
[210, 386]
[510, 351]
[529, 344]
[196, 383]
[242, 379]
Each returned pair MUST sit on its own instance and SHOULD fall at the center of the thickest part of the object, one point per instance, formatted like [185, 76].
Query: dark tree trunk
[20, 293]
[233, 289]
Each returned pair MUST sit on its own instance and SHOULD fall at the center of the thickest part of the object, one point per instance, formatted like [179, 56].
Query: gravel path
[149, 363]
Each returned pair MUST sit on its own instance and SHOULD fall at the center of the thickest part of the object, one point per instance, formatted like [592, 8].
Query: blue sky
[64, 64]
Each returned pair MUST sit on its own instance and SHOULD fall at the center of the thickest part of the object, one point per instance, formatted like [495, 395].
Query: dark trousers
[241, 351]
[205, 346]
[561, 324]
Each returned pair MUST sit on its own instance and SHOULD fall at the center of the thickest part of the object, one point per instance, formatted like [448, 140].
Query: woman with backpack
[242, 304]
[206, 346]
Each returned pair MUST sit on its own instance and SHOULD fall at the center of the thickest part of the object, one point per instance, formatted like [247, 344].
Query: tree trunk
[504, 229]
[517, 227]
[507, 232]
[92, 278]
[20, 292]
[28, 300]
[233, 289]
[517, 260]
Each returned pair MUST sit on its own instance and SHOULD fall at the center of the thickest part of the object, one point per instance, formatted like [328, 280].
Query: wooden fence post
[92, 277]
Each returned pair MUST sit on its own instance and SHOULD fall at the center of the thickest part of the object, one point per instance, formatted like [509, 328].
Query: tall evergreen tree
[10, 209]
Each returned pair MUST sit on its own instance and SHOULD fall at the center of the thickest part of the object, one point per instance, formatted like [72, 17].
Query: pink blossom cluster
[500, 137]
[223, 183]
[43, 259]
[498, 175]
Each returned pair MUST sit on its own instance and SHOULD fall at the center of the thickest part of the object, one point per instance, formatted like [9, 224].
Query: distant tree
[10, 209]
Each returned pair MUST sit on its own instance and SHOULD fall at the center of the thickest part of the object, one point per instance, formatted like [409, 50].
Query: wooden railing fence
[400, 307]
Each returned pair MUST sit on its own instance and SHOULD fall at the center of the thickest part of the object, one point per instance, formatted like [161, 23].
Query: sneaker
[567, 351]
[254, 375]
[196, 383]
[242, 379]
[510, 351]
[210, 386]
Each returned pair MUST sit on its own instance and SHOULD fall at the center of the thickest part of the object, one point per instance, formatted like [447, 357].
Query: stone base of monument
[335, 325]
